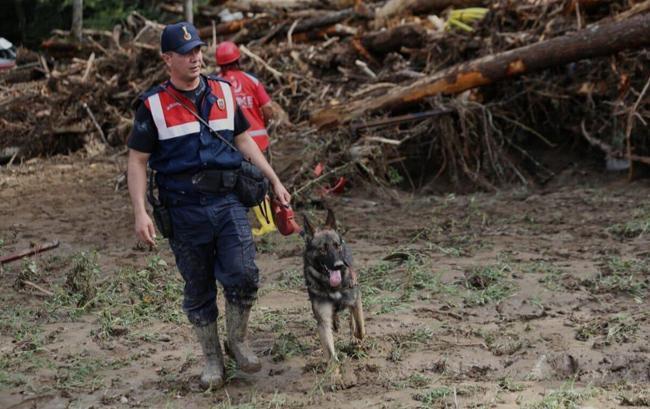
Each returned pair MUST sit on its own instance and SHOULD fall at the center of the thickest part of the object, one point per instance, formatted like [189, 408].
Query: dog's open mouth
[335, 277]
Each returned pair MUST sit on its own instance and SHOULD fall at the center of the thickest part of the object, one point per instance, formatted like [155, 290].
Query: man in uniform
[255, 103]
[211, 236]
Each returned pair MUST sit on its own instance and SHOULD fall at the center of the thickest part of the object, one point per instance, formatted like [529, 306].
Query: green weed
[274, 318]
[500, 343]
[618, 329]
[635, 397]
[394, 177]
[567, 397]
[630, 229]
[487, 284]
[29, 272]
[621, 276]
[18, 322]
[387, 303]
[411, 274]
[81, 279]
[379, 276]
[81, 374]
[551, 274]
[405, 342]
[290, 279]
[287, 345]
[508, 385]
[353, 350]
[434, 396]
[414, 381]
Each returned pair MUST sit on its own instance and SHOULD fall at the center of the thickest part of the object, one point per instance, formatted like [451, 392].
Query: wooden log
[594, 41]
[31, 251]
[386, 41]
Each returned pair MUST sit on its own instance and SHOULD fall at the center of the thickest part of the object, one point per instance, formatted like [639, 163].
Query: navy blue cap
[180, 37]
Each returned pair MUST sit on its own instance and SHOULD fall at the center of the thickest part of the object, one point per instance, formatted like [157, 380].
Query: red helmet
[227, 52]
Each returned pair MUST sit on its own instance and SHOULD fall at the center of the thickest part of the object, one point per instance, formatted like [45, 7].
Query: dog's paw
[341, 375]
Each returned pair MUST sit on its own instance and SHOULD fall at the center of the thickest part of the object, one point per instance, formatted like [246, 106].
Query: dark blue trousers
[213, 242]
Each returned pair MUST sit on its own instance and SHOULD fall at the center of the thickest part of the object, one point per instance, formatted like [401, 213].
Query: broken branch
[594, 41]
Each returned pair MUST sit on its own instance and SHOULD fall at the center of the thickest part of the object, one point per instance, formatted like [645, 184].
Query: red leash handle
[284, 218]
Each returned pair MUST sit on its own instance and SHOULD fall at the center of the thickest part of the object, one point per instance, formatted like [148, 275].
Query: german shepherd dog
[331, 282]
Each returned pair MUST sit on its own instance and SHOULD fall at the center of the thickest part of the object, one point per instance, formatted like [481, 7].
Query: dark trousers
[213, 242]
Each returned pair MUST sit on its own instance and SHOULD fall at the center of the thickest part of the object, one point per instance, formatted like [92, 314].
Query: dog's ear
[308, 228]
[331, 221]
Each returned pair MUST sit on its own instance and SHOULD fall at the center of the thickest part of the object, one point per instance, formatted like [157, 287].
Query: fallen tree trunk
[594, 41]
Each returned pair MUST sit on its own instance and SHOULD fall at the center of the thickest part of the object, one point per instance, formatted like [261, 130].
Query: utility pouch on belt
[161, 215]
[252, 186]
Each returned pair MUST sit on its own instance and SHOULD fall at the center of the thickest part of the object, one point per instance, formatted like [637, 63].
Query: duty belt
[209, 180]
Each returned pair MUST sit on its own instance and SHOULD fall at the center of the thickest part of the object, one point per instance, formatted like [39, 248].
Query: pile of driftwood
[466, 92]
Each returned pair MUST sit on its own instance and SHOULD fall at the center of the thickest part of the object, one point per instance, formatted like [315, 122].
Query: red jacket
[250, 95]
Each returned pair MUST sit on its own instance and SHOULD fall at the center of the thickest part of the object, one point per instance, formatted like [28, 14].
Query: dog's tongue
[335, 278]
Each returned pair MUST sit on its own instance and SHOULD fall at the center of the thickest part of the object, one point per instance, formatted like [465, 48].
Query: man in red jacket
[255, 103]
[249, 91]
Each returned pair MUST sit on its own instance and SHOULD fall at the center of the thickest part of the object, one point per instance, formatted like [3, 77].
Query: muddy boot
[213, 373]
[237, 347]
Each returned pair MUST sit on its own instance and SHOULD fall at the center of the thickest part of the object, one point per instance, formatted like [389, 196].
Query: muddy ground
[525, 298]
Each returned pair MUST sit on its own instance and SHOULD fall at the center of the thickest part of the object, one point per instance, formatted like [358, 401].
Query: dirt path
[532, 299]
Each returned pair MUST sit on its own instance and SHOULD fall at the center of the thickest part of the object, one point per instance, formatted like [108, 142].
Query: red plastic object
[338, 187]
[284, 218]
[318, 170]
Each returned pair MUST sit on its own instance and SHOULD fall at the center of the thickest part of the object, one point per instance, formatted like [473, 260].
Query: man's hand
[137, 180]
[144, 229]
[281, 193]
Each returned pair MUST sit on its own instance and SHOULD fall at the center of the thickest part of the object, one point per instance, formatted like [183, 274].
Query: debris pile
[463, 93]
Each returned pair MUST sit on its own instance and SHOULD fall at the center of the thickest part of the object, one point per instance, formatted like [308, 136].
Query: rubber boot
[266, 226]
[237, 347]
[213, 372]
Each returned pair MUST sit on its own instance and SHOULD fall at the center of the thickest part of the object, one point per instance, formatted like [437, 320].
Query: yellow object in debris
[459, 18]
[266, 226]
[459, 24]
